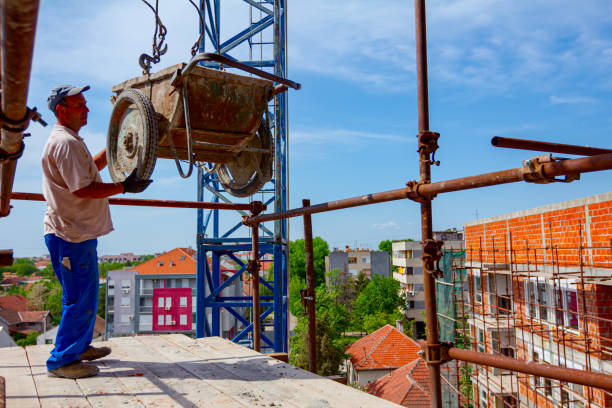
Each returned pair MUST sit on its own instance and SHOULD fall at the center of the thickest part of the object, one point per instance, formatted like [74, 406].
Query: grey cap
[60, 92]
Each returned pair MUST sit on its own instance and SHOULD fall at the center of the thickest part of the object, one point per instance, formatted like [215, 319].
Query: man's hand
[132, 184]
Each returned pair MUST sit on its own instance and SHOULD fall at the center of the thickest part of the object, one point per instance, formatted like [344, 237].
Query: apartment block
[352, 262]
[408, 270]
[541, 290]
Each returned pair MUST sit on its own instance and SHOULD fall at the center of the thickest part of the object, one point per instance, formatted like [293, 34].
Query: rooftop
[385, 348]
[407, 386]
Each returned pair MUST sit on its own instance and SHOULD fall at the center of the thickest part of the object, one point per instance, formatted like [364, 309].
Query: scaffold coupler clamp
[428, 144]
[6, 156]
[253, 266]
[432, 253]
[20, 125]
[533, 170]
[414, 194]
[436, 354]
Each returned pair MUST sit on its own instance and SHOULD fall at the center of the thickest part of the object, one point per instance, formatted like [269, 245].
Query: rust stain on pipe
[149, 203]
[17, 31]
[571, 375]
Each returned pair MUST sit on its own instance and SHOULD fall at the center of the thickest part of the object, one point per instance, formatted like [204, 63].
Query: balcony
[408, 262]
[146, 292]
[407, 279]
[146, 309]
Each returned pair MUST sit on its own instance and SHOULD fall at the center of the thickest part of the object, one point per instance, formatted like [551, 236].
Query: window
[352, 260]
[559, 306]
[125, 301]
[477, 289]
[183, 301]
[171, 263]
[353, 272]
[547, 386]
[168, 320]
[125, 318]
[160, 302]
[182, 258]
[571, 305]
[126, 284]
[160, 320]
[483, 399]
[160, 263]
[183, 319]
[481, 340]
[543, 300]
[185, 283]
[168, 302]
[111, 283]
[365, 260]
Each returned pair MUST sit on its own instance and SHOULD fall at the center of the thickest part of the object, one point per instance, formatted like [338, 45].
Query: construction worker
[77, 214]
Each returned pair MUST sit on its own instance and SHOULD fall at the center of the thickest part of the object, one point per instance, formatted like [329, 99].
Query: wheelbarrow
[202, 116]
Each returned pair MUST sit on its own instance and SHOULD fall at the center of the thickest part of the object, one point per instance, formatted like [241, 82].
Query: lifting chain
[159, 36]
[432, 253]
[196, 45]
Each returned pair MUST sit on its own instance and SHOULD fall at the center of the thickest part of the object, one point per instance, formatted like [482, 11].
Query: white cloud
[559, 100]
[385, 225]
[345, 136]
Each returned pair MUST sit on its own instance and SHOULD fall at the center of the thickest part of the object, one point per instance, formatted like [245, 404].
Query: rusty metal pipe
[570, 166]
[18, 29]
[429, 285]
[587, 378]
[255, 289]
[524, 144]
[148, 203]
[310, 291]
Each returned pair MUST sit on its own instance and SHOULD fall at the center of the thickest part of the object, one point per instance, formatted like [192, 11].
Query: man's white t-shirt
[67, 166]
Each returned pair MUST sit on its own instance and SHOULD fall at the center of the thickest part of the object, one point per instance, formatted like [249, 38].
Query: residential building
[540, 291]
[49, 336]
[5, 338]
[121, 258]
[352, 262]
[378, 354]
[159, 295]
[17, 317]
[408, 270]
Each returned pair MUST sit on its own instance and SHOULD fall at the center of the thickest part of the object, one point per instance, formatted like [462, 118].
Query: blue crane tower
[221, 235]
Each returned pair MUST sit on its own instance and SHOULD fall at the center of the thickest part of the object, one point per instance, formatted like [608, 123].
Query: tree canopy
[297, 259]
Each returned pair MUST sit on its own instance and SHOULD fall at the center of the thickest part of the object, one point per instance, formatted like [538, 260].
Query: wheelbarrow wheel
[131, 141]
[250, 170]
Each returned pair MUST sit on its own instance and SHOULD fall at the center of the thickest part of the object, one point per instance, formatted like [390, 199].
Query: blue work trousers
[76, 268]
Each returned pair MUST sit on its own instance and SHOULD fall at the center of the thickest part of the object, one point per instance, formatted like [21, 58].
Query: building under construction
[539, 289]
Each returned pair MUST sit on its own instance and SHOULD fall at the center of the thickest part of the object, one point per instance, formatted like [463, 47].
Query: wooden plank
[160, 382]
[53, 392]
[218, 374]
[19, 385]
[105, 389]
[306, 384]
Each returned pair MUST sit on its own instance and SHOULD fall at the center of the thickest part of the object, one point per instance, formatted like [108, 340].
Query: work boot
[74, 370]
[94, 353]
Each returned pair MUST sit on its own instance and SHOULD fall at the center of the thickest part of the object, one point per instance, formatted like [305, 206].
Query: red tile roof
[176, 261]
[407, 386]
[386, 348]
[33, 316]
[14, 302]
[10, 316]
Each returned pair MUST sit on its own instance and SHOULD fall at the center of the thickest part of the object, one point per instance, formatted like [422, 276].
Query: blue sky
[538, 70]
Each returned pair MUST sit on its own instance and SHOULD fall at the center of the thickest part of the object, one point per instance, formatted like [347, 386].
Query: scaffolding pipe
[560, 168]
[587, 378]
[254, 269]
[429, 284]
[139, 202]
[310, 291]
[524, 144]
[18, 29]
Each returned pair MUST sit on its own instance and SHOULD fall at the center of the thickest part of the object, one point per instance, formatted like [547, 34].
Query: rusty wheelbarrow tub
[196, 114]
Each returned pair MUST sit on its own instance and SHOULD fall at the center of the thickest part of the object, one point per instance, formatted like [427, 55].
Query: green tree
[375, 321]
[297, 259]
[382, 294]
[360, 283]
[332, 320]
[295, 304]
[29, 340]
[102, 303]
[386, 245]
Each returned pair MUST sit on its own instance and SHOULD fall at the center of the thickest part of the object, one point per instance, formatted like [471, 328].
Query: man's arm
[100, 159]
[99, 190]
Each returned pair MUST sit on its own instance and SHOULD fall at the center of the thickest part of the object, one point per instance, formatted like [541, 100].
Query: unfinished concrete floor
[174, 371]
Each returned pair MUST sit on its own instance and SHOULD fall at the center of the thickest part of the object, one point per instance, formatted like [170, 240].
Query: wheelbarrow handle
[235, 64]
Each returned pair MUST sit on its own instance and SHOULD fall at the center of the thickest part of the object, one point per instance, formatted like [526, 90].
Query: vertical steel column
[310, 291]
[254, 269]
[433, 338]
